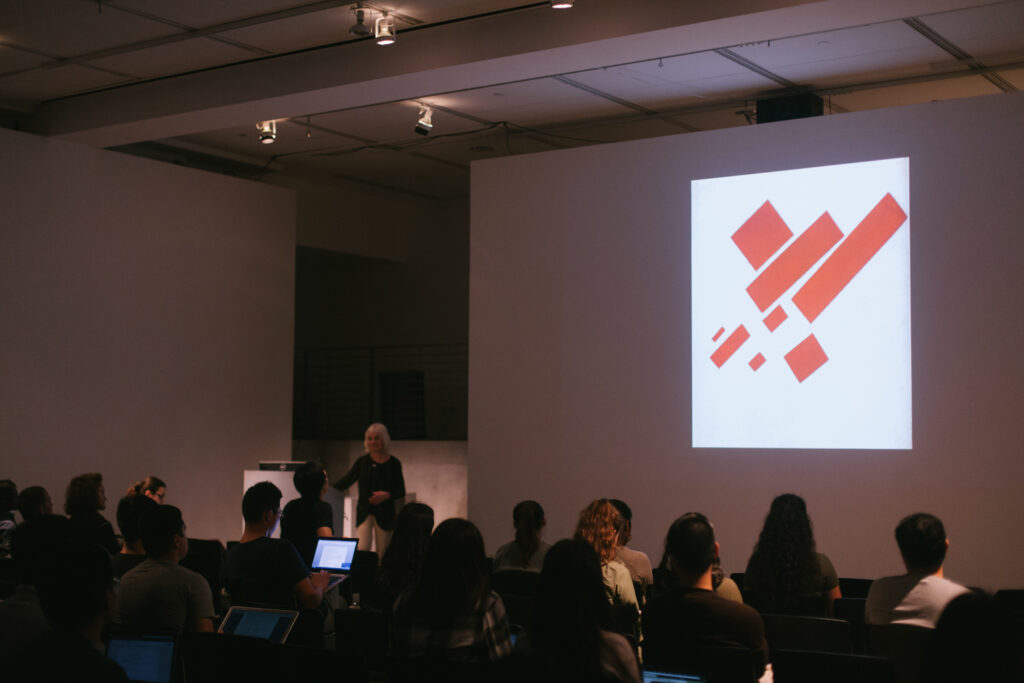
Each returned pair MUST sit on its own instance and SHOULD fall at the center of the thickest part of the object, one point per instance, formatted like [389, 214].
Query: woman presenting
[380, 482]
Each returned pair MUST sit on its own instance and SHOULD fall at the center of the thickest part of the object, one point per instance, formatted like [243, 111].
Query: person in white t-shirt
[918, 597]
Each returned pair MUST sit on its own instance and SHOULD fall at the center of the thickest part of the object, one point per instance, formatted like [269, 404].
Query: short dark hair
[73, 589]
[258, 499]
[83, 494]
[922, 541]
[8, 494]
[31, 502]
[309, 479]
[129, 511]
[158, 527]
[690, 544]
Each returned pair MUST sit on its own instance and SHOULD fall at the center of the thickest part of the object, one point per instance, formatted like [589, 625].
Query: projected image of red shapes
[775, 318]
[762, 235]
[731, 344]
[797, 259]
[850, 257]
[805, 358]
[718, 334]
[756, 362]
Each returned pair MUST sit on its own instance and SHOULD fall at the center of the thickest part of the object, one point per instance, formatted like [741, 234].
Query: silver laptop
[259, 622]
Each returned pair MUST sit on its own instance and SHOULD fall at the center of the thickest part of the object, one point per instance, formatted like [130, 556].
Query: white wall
[580, 341]
[146, 322]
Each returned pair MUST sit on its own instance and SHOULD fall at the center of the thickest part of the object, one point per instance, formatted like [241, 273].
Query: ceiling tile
[526, 103]
[719, 118]
[915, 93]
[464, 150]
[12, 59]
[31, 87]
[187, 55]
[243, 141]
[634, 129]
[396, 170]
[673, 82]
[391, 122]
[993, 30]
[1015, 76]
[68, 28]
[297, 33]
[204, 13]
[855, 55]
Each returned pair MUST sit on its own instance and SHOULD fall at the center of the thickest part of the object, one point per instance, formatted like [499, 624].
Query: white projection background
[801, 308]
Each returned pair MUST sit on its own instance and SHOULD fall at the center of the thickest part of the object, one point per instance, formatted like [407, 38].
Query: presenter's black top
[373, 476]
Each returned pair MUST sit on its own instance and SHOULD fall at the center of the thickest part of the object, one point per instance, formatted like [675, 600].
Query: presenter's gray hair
[383, 431]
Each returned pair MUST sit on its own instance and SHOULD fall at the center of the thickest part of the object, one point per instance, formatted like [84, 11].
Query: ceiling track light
[359, 29]
[561, 4]
[424, 122]
[267, 132]
[384, 29]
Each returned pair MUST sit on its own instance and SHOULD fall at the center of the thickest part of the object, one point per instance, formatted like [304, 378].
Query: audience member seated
[32, 549]
[153, 488]
[975, 640]
[526, 552]
[33, 502]
[8, 500]
[308, 517]
[690, 613]
[83, 501]
[638, 564]
[76, 592]
[599, 526]
[450, 608]
[265, 570]
[723, 586]
[569, 638]
[784, 572]
[159, 592]
[919, 596]
[129, 512]
[403, 557]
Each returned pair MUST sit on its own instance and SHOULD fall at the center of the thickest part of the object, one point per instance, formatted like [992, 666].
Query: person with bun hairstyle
[527, 551]
[151, 487]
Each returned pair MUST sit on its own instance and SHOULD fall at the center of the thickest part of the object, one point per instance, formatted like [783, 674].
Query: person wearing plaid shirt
[451, 607]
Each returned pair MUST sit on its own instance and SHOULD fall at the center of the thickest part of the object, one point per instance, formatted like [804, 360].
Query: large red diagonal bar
[730, 345]
[849, 257]
[761, 235]
[790, 266]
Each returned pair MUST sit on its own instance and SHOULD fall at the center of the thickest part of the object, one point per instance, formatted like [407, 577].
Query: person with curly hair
[83, 501]
[785, 573]
[599, 525]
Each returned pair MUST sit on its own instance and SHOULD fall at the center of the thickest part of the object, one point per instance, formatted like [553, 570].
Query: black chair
[217, 657]
[906, 645]
[818, 634]
[715, 664]
[852, 610]
[453, 665]
[206, 557]
[801, 605]
[854, 588]
[364, 568]
[518, 609]
[366, 632]
[737, 577]
[515, 582]
[801, 666]
[305, 665]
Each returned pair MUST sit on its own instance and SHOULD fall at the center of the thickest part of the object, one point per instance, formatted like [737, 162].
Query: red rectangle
[756, 362]
[775, 318]
[729, 346]
[762, 235]
[718, 334]
[790, 266]
[805, 358]
[849, 257]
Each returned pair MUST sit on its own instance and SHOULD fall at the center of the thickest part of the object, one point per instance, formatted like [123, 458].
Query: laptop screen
[271, 624]
[334, 554]
[146, 658]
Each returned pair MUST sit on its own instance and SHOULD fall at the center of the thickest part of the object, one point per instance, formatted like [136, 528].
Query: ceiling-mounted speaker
[791, 107]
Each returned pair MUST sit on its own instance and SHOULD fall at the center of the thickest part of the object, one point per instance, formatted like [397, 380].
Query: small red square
[775, 318]
[756, 362]
[805, 358]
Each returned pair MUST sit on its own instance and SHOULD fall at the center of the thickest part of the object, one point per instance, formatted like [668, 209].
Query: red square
[805, 358]
[762, 235]
[775, 318]
[756, 362]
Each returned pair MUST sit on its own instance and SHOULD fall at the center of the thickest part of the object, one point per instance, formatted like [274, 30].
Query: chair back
[801, 605]
[801, 666]
[515, 582]
[216, 657]
[366, 632]
[518, 609]
[906, 645]
[852, 610]
[364, 569]
[715, 664]
[206, 557]
[854, 588]
[818, 634]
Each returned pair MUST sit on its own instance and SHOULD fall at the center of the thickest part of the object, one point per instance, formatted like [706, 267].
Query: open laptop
[259, 622]
[666, 677]
[145, 657]
[334, 554]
